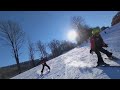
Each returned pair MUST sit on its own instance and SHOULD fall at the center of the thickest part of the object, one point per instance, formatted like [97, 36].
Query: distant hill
[11, 70]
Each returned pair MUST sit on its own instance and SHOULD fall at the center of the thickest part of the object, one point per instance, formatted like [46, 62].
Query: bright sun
[72, 35]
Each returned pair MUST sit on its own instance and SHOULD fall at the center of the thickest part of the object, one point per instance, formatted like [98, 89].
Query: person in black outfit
[44, 64]
[97, 45]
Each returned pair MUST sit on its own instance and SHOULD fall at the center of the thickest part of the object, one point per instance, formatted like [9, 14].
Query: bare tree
[42, 48]
[31, 52]
[66, 46]
[54, 46]
[59, 47]
[81, 28]
[11, 33]
[78, 22]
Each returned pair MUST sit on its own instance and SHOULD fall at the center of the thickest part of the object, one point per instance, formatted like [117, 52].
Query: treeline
[55, 47]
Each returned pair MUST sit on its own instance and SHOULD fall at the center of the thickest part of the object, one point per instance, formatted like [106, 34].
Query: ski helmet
[95, 31]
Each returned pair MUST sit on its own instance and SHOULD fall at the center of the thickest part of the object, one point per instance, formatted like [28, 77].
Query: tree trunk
[18, 64]
[33, 63]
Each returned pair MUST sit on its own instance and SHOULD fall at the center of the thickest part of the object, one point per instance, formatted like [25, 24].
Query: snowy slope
[112, 38]
[78, 63]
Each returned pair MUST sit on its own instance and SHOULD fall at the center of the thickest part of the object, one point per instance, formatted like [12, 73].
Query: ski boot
[111, 57]
[102, 64]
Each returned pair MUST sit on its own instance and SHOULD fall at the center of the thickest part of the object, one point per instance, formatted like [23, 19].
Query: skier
[97, 45]
[44, 64]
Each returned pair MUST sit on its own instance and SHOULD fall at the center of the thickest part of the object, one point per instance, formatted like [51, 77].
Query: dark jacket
[43, 61]
[97, 42]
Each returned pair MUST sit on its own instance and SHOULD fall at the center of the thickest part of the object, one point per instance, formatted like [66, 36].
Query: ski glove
[106, 45]
[91, 51]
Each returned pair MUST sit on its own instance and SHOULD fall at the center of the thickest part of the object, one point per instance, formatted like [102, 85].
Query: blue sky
[48, 25]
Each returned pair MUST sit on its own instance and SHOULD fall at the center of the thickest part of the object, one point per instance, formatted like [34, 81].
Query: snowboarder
[44, 64]
[97, 45]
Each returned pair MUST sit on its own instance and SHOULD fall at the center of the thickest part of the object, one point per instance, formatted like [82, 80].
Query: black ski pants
[44, 66]
[100, 59]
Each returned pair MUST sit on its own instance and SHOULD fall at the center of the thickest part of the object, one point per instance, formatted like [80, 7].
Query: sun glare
[72, 35]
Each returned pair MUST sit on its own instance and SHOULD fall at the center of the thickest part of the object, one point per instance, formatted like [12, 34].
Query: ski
[107, 66]
[113, 58]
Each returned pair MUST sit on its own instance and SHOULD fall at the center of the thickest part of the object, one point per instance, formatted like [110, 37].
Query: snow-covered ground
[78, 63]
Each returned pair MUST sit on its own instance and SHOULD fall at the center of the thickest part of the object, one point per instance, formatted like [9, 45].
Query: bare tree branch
[31, 52]
[42, 48]
[79, 25]
[11, 33]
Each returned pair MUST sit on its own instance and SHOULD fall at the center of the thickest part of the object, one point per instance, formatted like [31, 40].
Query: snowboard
[113, 58]
[108, 66]
[42, 75]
